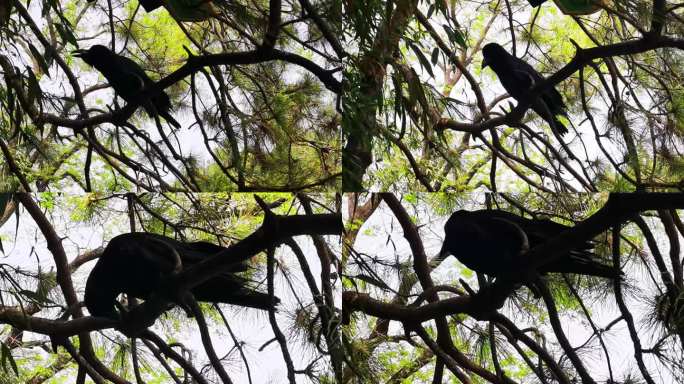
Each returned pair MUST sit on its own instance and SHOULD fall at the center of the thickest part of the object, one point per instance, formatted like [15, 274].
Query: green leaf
[371, 280]
[435, 56]
[7, 357]
[422, 59]
[416, 90]
[66, 34]
[35, 296]
[455, 36]
[40, 59]
[5, 198]
[34, 91]
[431, 9]
[442, 6]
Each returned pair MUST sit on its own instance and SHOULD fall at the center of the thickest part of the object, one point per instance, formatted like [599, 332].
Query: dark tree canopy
[233, 191]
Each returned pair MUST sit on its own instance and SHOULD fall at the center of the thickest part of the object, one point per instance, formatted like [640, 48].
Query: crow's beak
[485, 63]
[79, 52]
[444, 252]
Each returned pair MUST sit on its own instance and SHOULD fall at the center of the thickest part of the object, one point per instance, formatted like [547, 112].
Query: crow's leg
[535, 284]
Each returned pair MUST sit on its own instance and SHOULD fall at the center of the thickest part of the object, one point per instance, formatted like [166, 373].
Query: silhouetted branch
[206, 338]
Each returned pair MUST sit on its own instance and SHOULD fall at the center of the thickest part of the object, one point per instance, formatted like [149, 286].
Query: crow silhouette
[136, 263]
[128, 79]
[493, 242]
[184, 10]
[518, 77]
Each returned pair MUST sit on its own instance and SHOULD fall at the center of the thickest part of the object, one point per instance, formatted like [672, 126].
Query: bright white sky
[249, 325]
[382, 237]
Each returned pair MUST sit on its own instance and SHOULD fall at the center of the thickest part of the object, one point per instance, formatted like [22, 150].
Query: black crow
[493, 241]
[136, 263]
[184, 10]
[518, 77]
[536, 3]
[151, 5]
[128, 79]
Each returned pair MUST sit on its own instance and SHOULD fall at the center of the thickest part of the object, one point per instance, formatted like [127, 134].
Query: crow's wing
[517, 77]
[233, 290]
[486, 241]
[520, 65]
[160, 104]
[126, 78]
[192, 10]
[549, 104]
[130, 66]
[195, 252]
[554, 100]
[544, 110]
[580, 260]
[524, 78]
[151, 5]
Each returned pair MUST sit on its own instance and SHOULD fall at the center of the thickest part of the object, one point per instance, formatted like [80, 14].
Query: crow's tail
[151, 5]
[536, 3]
[558, 126]
[167, 116]
[583, 263]
[222, 289]
[595, 269]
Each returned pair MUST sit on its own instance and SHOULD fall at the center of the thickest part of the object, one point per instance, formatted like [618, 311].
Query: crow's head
[452, 228]
[151, 5]
[94, 55]
[492, 53]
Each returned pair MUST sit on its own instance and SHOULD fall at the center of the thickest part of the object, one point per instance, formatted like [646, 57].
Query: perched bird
[128, 79]
[150, 5]
[136, 263]
[184, 10]
[573, 7]
[518, 77]
[493, 242]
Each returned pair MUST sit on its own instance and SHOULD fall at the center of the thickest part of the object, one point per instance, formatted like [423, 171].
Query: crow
[136, 263]
[536, 3]
[518, 77]
[184, 10]
[493, 242]
[128, 79]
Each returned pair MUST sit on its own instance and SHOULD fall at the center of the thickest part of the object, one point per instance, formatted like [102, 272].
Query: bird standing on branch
[518, 77]
[573, 7]
[136, 263]
[128, 80]
[494, 242]
[184, 10]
